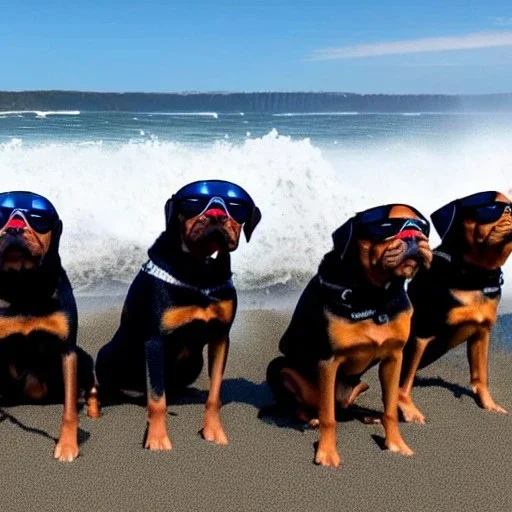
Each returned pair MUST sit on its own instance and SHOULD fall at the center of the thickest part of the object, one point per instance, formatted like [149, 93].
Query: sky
[364, 46]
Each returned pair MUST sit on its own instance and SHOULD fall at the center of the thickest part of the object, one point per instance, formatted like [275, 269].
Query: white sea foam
[310, 114]
[185, 114]
[111, 197]
[41, 114]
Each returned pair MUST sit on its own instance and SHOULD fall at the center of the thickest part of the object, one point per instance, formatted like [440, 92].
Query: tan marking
[4, 304]
[366, 338]
[476, 309]
[56, 323]
[175, 317]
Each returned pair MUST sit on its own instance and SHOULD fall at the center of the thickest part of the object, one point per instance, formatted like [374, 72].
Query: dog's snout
[412, 248]
[217, 214]
[15, 226]
[14, 230]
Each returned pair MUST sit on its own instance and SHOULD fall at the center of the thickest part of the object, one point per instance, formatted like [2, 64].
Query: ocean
[110, 173]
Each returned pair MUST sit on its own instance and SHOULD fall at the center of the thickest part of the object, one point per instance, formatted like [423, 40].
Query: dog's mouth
[15, 255]
[404, 256]
[214, 239]
[407, 268]
[501, 234]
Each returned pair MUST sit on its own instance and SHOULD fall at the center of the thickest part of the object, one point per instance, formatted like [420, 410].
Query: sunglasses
[195, 198]
[485, 214]
[374, 224]
[33, 208]
[193, 206]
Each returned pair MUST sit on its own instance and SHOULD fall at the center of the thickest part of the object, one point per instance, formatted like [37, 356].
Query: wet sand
[462, 458]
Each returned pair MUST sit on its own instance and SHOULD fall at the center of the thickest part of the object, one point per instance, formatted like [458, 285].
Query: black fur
[121, 364]
[40, 292]
[341, 287]
[432, 301]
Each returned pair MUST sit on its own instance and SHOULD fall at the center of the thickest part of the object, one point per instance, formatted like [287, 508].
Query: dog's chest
[348, 337]
[175, 317]
[55, 323]
[474, 307]
[474, 312]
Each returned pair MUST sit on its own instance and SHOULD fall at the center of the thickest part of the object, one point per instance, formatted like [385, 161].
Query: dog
[182, 299]
[39, 359]
[353, 314]
[457, 299]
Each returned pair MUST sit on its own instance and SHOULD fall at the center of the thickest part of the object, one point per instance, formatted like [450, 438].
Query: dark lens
[239, 211]
[192, 206]
[4, 216]
[40, 221]
[490, 213]
[392, 227]
[380, 230]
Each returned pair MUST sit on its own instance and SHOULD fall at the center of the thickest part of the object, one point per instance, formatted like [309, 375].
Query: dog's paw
[328, 458]
[410, 412]
[494, 407]
[158, 441]
[399, 446]
[66, 451]
[486, 401]
[214, 434]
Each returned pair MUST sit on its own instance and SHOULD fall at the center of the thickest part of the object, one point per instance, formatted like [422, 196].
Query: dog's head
[30, 230]
[389, 241]
[209, 216]
[478, 227]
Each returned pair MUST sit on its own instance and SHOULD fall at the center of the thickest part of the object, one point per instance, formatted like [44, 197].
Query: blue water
[109, 175]
[207, 127]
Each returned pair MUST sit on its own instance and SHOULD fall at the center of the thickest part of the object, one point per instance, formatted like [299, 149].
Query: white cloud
[431, 44]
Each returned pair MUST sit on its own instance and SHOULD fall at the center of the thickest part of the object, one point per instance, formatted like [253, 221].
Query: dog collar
[381, 309]
[151, 268]
[464, 276]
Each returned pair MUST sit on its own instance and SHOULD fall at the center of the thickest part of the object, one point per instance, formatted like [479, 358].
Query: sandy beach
[461, 461]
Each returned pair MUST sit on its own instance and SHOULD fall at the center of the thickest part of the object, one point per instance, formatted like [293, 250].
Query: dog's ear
[444, 219]
[343, 236]
[168, 209]
[53, 250]
[252, 222]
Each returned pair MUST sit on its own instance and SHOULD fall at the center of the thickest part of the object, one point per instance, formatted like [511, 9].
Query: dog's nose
[412, 248]
[14, 231]
[15, 226]
[216, 214]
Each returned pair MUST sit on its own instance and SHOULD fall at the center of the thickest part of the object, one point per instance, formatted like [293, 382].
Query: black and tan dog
[181, 300]
[39, 360]
[457, 299]
[353, 314]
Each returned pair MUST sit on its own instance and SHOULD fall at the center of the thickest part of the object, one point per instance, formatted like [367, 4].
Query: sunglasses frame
[18, 203]
[204, 203]
[363, 222]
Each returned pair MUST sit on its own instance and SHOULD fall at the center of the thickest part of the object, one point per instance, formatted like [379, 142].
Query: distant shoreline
[251, 102]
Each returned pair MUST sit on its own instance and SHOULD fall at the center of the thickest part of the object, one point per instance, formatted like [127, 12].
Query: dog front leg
[327, 454]
[217, 356]
[66, 449]
[389, 375]
[408, 408]
[478, 357]
[156, 437]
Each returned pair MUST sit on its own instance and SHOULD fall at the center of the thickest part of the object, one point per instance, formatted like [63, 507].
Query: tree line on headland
[274, 102]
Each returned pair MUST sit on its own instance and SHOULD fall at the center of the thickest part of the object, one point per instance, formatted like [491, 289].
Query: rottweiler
[456, 300]
[182, 299]
[39, 359]
[353, 314]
